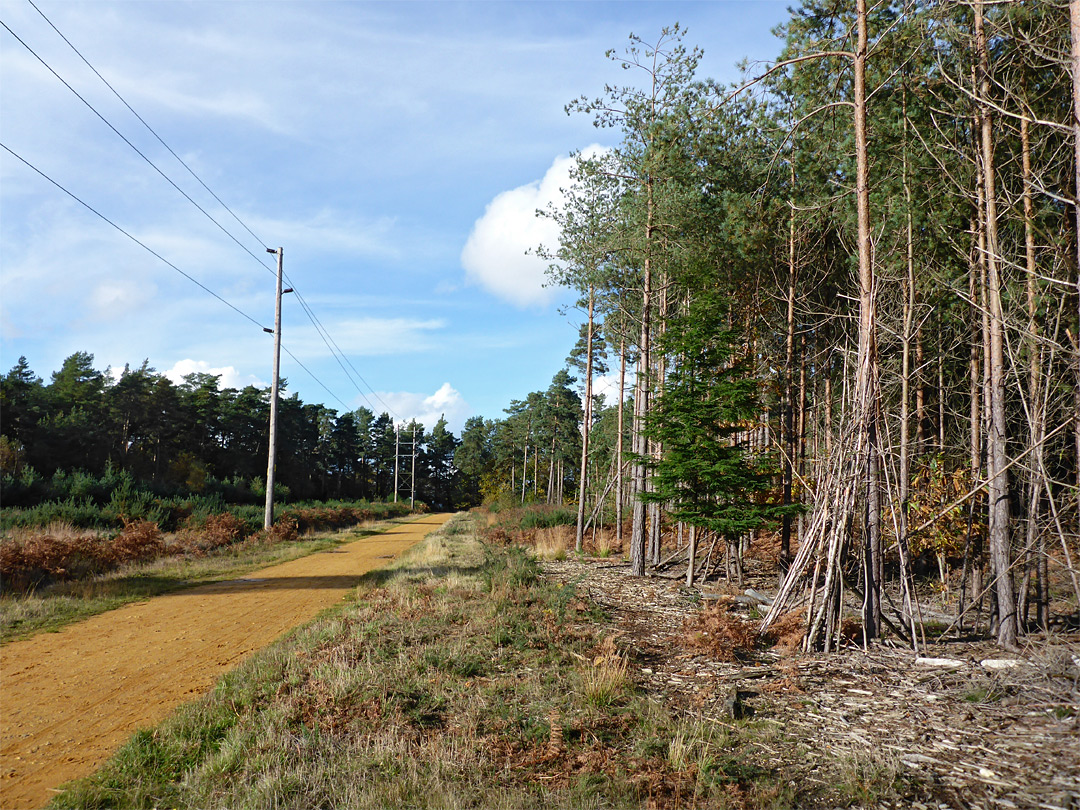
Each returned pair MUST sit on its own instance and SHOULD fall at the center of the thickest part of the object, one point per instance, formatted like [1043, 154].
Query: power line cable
[339, 356]
[121, 135]
[123, 101]
[285, 349]
[157, 255]
[335, 350]
[134, 239]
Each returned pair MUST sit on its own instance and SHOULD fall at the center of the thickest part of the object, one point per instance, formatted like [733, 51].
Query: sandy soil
[69, 699]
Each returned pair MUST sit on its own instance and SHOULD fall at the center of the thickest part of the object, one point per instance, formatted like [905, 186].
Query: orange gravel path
[68, 700]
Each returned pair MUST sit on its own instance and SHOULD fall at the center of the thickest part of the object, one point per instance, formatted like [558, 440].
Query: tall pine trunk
[1035, 542]
[1074, 20]
[638, 537]
[998, 488]
[866, 375]
[586, 427]
[619, 489]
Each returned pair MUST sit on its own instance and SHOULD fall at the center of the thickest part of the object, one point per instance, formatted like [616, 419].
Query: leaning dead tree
[816, 578]
[854, 468]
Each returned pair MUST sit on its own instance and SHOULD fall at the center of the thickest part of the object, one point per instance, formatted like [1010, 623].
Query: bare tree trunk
[638, 537]
[789, 395]
[866, 393]
[549, 496]
[999, 540]
[524, 472]
[1035, 541]
[802, 430]
[1074, 20]
[637, 484]
[920, 394]
[657, 447]
[692, 554]
[586, 427]
[619, 491]
[941, 387]
[828, 408]
[975, 411]
[905, 373]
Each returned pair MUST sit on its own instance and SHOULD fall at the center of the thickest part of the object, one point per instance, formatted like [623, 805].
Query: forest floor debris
[978, 732]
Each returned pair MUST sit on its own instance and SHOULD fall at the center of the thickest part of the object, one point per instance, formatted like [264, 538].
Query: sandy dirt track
[69, 699]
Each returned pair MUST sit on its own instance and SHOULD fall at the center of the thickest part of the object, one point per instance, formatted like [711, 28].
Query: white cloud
[111, 299]
[230, 377]
[608, 385]
[427, 409]
[495, 254]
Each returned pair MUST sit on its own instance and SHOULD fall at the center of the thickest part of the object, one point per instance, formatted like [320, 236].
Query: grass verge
[59, 604]
[457, 678]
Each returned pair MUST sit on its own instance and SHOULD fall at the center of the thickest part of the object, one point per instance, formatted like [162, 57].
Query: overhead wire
[138, 151]
[320, 382]
[336, 352]
[134, 239]
[158, 256]
[328, 340]
[160, 140]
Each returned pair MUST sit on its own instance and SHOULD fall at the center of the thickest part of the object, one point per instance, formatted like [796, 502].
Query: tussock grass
[605, 543]
[607, 678]
[454, 679]
[553, 542]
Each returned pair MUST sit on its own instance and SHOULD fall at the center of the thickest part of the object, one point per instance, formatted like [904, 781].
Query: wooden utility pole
[268, 516]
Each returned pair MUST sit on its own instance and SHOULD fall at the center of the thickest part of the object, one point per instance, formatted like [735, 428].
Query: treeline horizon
[87, 432]
[200, 438]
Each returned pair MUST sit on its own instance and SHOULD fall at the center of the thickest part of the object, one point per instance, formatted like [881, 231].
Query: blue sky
[396, 150]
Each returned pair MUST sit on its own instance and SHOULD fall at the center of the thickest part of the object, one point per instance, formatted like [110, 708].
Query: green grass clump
[546, 517]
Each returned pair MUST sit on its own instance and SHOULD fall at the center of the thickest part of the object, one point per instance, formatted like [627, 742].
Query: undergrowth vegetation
[38, 555]
[457, 678]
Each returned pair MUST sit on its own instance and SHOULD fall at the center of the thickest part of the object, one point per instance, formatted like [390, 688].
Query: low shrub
[720, 633]
[71, 539]
[82, 514]
[546, 517]
[58, 553]
[214, 531]
[340, 515]
[138, 540]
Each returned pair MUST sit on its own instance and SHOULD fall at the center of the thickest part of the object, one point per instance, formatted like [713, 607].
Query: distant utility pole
[397, 445]
[268, 516]
[412, 494]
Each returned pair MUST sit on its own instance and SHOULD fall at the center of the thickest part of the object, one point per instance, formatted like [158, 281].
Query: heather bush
[213, 532]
